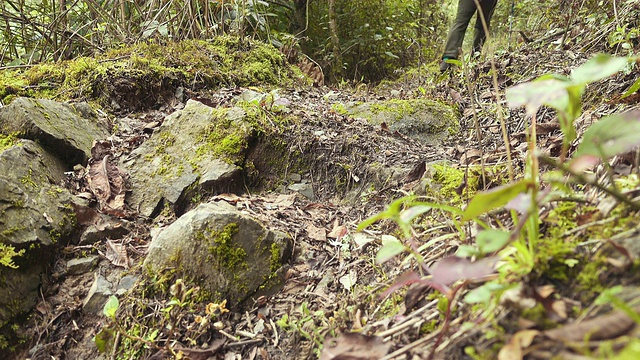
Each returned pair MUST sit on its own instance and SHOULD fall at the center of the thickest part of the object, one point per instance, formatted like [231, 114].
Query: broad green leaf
[392, 212]
[104, 339]
[390, 248]
[488, 200]
[111, 307]
[467, 251]
[611, 135]
[484, 293]
[551, 91]
[597, 68]
[492, 240]
[412, 212]
[635, 87]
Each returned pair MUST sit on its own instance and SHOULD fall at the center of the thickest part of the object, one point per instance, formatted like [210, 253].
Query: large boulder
[196, 150]
[227, 253]
[34, 214]
[424, 120]
[67, 130]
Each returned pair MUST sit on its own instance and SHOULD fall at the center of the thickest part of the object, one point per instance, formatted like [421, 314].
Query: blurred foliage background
[365, 40]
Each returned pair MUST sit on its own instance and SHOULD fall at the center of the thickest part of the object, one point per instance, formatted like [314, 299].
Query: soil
[333, 285]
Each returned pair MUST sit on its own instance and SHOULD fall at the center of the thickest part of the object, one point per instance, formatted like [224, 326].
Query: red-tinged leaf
[453, 268]
[389, 249]
[583, 163]
[354, 346]
[611, 135]
[486, 201]
[405, 279]
[521, 203]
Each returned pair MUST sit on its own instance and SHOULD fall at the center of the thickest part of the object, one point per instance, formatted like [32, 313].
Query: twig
[613, 192]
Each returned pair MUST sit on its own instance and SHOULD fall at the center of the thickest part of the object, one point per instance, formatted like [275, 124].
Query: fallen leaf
[519, 341]
[608, 326]
[316, 233]
[349, 280]
[353, 346]
[338, 232]
[117, 254]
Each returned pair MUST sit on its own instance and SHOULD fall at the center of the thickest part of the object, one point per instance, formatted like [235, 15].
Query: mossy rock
[229, 254]
[147, 75]
[424, 120]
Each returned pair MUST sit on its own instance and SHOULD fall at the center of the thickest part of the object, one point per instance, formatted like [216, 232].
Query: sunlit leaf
[611, 135]
[390, 248]
[492, 240]
[532, 95]
[412, 212]
[597, 68]
[485, 292]
[489, 200]
[391, 212]
[632, 89]
[111, 307]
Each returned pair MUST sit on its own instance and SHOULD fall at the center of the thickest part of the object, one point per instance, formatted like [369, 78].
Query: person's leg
[466, 9]
[480, 36]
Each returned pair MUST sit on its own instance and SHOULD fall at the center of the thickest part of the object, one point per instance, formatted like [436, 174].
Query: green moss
[151, 68]
[7, 141]
[7, 255]
[223, 249]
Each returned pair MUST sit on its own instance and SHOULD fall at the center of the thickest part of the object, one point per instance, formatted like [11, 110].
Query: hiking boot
[444, 65]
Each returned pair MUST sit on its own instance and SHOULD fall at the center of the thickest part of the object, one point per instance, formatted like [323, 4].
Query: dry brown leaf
[284, 201]
[338, 232]
[519, 341]
[353, 346]
[117, 254]
[316, 233]
[608, 326]
[99, 181]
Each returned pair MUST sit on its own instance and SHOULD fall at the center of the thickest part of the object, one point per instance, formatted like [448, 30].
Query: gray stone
[187, 155]
[82, 265]
[303, 189]
[60, 127]
[98, 295]
[32, 206]
[107, 229]
[220, 249]
[424, 120]
[126, 283]
[35, 214]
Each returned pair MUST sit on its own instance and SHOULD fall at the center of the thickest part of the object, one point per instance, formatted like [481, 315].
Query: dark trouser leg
[466, 9]
[480, 36]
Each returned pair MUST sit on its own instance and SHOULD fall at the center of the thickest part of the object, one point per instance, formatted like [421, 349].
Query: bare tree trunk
[335, 41]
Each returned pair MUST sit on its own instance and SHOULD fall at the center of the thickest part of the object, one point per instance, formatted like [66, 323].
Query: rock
[197, 149]
[98, 295]
[126, 283]
[32, 206]
[221, 250]
[303, 189]
[106, 229]
[82, 265]
[61, 127]
[35, 213]
[423, 120]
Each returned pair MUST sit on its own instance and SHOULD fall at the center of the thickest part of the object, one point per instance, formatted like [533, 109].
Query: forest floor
[333, 304]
